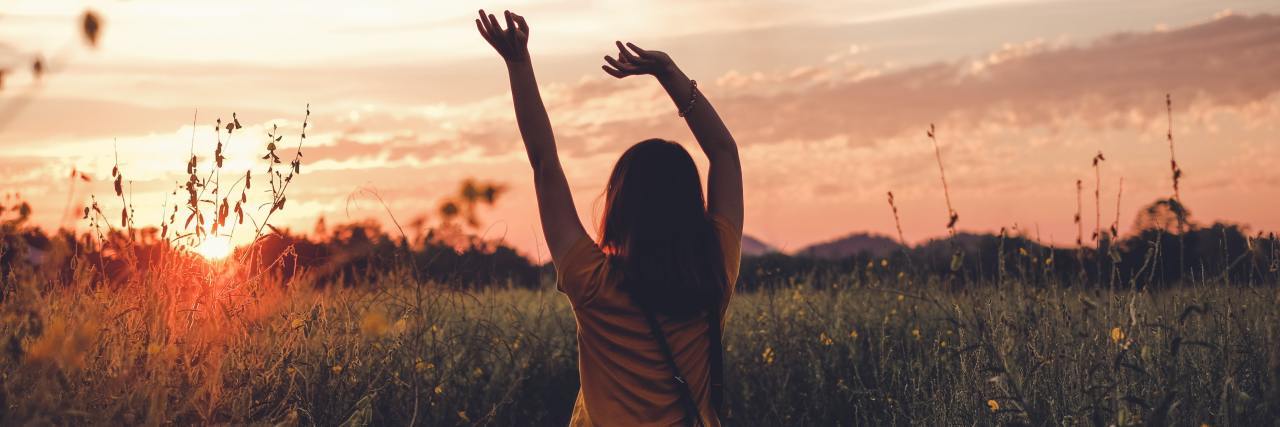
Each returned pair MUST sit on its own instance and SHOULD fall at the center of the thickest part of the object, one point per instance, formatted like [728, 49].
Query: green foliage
[809, 354]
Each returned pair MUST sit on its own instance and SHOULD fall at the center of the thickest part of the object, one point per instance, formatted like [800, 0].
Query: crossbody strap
[693, 416]
[716, 362]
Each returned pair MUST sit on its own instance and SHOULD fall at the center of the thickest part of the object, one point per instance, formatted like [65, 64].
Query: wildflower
[291, 371]
[297, 323]
[439, 390]
[373, 324]
[477, 372]
[995, 406]
[463, 415]
[768, 355]
[884, 263]
[916, 333]
[336, 369]
[942, 344]
[1048, 261]
[422, 366]
[154, 349]
[1023, 252]
[824, 339]
[901, 275]
[853, 333]
[901, 297]
[1117, 335]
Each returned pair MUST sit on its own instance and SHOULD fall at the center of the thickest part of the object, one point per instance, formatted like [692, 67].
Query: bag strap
[716, 364]
[693, 415]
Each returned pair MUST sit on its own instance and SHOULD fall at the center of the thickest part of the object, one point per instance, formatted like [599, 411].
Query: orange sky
[828, 101]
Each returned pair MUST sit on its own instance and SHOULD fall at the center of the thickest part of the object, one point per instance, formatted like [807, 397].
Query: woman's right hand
[642, 62]
[513, 42]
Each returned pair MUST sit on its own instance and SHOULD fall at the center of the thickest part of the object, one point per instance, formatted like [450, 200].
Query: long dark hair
[658, 234]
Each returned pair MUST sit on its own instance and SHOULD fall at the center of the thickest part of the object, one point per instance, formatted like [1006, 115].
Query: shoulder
[581, 271]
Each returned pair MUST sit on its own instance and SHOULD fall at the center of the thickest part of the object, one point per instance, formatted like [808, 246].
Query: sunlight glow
[214, 248]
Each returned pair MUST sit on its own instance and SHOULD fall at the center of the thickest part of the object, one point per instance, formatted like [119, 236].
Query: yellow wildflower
[853, 333]
[995, 406]
[1117, 335]
[768, 355]
[916, 333]
[824, 339]
[337, 369]
[439, 389]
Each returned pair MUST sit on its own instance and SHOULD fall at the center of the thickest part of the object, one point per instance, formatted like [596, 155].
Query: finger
[619, 65]
[625, 54]
[495, 28]
[511, 23]
[613, 72]
[524, 26]
[643, 53]
[483, 33]
[490, 31]
[484, 22]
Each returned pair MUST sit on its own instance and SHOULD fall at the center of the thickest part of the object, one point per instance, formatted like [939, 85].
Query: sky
[829, 102]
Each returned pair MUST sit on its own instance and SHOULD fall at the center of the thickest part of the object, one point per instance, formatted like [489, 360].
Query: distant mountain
[752, 246]
[851, 245]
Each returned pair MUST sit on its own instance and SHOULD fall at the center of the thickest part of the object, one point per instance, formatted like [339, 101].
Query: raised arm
[724, 180]
[560, 224]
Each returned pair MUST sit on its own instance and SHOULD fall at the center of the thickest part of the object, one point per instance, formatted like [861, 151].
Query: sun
[214, 248]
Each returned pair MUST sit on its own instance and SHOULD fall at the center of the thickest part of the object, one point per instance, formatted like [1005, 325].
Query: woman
[650, 297]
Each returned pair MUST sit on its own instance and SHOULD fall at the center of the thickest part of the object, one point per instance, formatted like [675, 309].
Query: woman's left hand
[642, 62]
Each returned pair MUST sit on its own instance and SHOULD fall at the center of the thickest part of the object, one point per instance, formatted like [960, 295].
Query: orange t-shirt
[625, 378]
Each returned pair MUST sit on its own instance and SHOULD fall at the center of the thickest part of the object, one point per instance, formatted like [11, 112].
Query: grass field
[845, 353]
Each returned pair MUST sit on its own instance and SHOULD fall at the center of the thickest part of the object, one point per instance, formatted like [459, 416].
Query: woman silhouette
[650, 296]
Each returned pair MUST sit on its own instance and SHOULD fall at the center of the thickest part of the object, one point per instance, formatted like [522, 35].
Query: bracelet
[693, 98]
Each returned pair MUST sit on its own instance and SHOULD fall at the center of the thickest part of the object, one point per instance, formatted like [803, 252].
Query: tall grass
[862, 353]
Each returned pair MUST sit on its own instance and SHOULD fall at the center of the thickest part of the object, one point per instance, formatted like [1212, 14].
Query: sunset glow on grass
[214, 248]
[743, 213]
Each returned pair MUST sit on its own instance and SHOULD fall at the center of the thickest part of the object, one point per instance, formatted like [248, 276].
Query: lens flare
[214, 248]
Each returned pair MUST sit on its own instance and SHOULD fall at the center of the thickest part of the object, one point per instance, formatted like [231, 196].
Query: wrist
[670, 73]
[521, 62]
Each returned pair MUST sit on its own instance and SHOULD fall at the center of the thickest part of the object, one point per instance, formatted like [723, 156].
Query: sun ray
[214, 248]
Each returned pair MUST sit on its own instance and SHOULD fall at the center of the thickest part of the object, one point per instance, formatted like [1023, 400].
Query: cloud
[1117, 81]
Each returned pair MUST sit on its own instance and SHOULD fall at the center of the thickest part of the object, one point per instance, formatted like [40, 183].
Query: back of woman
[650, 297]
[624, 375]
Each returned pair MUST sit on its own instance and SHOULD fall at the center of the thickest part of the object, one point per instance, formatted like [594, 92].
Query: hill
[850, 245]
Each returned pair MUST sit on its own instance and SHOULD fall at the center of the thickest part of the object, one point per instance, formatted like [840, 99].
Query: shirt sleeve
[731, 246]
[581, 273]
